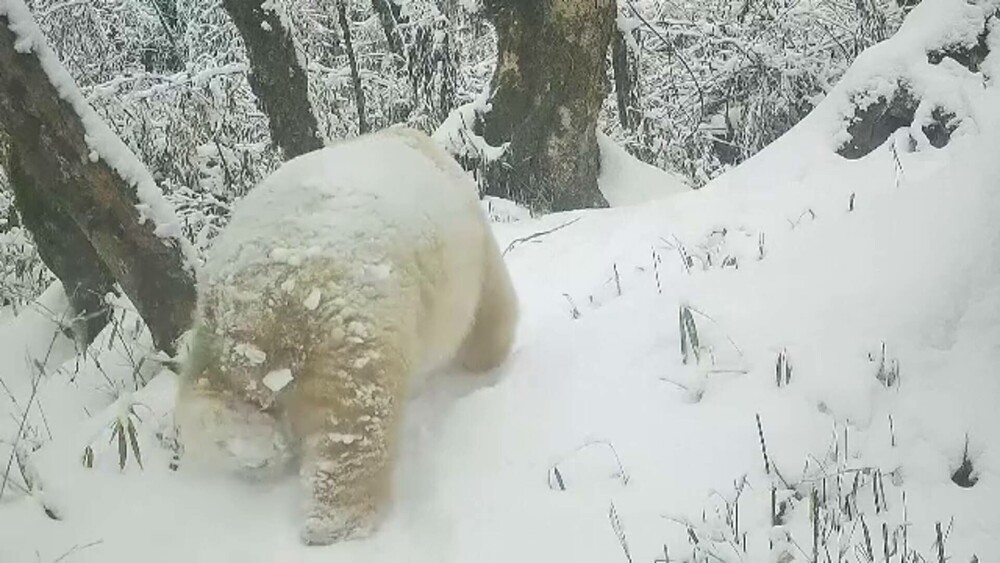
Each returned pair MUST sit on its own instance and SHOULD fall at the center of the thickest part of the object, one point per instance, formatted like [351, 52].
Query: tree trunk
[276, 77]
[390, 17]
[625, 70]
[359, 91]
[66, 251]
[53, 152]
[547, 91]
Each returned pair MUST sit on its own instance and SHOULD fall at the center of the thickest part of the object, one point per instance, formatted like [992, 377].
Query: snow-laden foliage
[418, 86]
[716, 81]
[22, 275]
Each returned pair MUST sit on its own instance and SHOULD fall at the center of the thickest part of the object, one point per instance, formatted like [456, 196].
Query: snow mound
[626, 180]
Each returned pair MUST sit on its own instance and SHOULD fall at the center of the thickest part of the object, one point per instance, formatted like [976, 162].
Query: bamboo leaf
[122, 446]
[135, 443]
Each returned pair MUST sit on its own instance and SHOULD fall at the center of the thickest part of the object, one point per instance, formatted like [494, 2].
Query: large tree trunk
[276, 78]
[66, 251]
[54, 153]
[547, 91]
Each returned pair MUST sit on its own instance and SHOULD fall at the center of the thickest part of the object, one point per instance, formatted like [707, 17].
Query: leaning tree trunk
[53, 151]
[276, 77]
[547, 91]
[65, 250]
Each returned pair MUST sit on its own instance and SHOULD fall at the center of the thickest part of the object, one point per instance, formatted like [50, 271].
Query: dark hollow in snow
[969, 56]
[872, 126]
[940, 129]
[965, 476]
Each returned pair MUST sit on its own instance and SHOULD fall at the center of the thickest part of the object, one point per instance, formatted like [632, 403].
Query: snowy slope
[596, 442]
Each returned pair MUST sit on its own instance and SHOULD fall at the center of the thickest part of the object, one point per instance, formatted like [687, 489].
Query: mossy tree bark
[547, 91]
[277, 79]
[53, 160]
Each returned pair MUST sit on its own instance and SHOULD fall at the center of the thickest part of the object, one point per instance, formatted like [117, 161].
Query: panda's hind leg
[492, 334]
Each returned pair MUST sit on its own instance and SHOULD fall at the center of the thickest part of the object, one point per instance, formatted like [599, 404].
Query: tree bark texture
[66, 251]
[276, 78]
[359, 91]
[547, 91]
[52, 150]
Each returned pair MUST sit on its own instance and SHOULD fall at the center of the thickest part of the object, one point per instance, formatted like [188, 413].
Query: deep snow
[594, 442]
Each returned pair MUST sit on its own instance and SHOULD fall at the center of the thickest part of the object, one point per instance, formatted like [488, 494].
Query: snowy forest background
[793, 361]
[696, 86]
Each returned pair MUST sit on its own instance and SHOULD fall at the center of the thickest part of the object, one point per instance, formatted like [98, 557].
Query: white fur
[358, 268]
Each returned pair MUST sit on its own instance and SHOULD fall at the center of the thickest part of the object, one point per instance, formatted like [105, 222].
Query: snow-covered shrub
[22, 274]
[717, 81]
[418, 86]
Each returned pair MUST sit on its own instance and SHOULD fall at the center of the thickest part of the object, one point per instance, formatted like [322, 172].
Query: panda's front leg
[346, 487]
[345, 425]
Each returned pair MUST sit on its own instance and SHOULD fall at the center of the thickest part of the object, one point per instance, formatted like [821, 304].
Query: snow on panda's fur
[343, 278]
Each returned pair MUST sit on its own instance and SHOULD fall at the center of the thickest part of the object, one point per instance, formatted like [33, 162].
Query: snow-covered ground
[877, 279]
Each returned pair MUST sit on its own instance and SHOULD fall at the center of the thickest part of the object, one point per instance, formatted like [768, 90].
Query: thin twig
[77, 548]
[763, 445]
[539, 234]
[20, 430]
[36, 381]
[716, 323]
